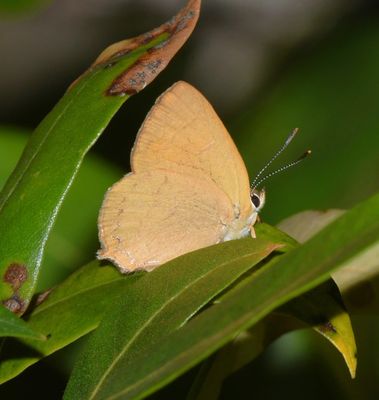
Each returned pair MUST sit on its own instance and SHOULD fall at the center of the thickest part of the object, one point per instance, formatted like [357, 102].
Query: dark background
[267, 67]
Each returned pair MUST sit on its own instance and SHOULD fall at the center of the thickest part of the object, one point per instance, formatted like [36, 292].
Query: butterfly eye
[256, 200]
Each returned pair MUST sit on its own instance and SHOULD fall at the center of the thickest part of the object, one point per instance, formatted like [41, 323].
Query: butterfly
[188, 189]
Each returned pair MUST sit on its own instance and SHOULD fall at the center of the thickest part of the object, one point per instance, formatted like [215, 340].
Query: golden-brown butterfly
[188, 188]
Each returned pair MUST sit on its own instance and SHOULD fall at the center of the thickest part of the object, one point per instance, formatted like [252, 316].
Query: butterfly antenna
[281, 169]
[280, 151]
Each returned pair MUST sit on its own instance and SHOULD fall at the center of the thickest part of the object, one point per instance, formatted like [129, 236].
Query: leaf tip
[170, 37]
[175, 32]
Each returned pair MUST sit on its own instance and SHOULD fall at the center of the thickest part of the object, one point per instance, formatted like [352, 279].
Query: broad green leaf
[153, 366]
[70, 311]
[13, 326]
[159, 303]
[33, 195]
[74, 238]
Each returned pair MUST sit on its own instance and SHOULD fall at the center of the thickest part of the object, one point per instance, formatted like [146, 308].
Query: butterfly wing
[188, 188]
[153, 216]
[183, 131]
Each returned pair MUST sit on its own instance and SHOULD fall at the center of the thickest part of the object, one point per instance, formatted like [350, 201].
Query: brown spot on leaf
[327, 327]
[15, 304]
[16, 275]
[142, 73]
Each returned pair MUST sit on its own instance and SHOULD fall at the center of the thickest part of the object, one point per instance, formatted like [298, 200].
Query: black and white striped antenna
[256, 182]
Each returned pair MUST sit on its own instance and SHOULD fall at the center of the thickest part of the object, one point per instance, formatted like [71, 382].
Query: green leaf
[13, 326]
[73, 240]
[136, 372]
[67, 313]
[70, 311]
[159, 303]
[33, 195]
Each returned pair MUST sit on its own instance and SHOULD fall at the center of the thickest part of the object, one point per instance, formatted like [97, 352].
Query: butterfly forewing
[183, 130]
